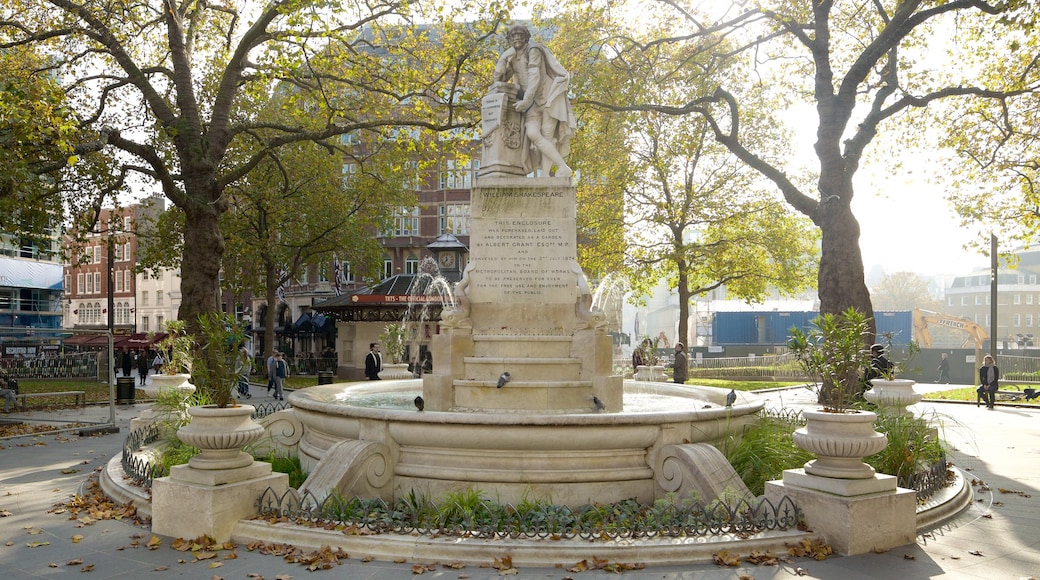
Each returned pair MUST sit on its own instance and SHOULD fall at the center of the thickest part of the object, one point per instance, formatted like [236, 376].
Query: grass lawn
[97, 392]
[743, 385]
[969, 394]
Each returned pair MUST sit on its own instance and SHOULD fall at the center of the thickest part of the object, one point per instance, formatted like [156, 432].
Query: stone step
[515, 384]
[522, 368]
[530, 345]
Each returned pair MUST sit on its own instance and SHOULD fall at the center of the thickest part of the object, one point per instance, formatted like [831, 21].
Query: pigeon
[731, 398]
[1031, 394]
[503, 379]
[420, 403]
[598, 404]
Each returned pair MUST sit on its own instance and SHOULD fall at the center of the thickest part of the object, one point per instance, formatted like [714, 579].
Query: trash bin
[125, 390]
[324, 377]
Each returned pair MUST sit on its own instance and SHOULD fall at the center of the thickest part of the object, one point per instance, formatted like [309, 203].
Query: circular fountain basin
[368, 439]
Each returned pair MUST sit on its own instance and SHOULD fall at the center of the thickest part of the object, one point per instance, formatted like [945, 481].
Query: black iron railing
[627, 519]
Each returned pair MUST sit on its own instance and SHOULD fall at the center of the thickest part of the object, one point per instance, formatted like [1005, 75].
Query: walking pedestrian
[278, 371]
[944, 370]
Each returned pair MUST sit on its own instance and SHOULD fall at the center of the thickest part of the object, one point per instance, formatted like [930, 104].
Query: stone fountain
[523, 400]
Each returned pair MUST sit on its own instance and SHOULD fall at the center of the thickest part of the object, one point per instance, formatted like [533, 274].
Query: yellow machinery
[922, 318]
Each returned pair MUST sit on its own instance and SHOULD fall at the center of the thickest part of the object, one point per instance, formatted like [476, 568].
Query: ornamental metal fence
[139, 468]
[487, 520]
[928, 481]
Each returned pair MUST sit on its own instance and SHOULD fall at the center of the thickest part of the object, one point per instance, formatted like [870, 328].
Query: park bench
[1016, 395]
[81, 396]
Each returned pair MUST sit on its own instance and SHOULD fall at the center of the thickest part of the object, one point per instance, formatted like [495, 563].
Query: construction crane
[922, 318]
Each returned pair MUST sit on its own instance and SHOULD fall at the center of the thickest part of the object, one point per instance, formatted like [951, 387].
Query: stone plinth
[502, 133]
[854, 516]
[194, 502]
[524, 308]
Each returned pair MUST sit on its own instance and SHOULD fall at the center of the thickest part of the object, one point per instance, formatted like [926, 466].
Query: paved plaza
[997, 538]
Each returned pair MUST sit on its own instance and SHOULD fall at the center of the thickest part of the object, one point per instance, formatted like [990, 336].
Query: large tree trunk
[684, 308]
[270, 316]
[200, 266]
[841, 282]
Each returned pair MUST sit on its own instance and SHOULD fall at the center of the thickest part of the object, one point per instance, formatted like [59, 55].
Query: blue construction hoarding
[773, 328]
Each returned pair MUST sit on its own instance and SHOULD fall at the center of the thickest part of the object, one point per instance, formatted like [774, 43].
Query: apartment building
[1018, 300]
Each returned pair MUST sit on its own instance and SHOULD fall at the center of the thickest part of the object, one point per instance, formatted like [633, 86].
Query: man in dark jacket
[373, 362]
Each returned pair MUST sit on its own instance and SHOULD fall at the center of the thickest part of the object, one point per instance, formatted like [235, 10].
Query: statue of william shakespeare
[527, 118]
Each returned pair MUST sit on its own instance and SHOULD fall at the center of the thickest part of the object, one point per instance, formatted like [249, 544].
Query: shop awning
[142, 340]
[86, 340]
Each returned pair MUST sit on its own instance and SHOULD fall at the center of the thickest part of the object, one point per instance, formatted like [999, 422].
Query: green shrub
[765, 450]
[913, 445]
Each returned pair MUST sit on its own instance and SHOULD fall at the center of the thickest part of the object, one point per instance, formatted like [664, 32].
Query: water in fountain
[436, 294]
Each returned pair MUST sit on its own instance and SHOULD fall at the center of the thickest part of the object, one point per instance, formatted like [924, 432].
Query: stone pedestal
[854, 516]
[194, 502]
[524, 308]
[502, 133]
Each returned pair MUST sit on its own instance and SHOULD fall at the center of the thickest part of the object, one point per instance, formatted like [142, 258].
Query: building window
[144, 298]
[144, 324]
[1017, 320]
[459, 175]
[323, 273]
[1029, 320]
[978, 300]
[1029, 298]
[159, 322]
[406, 223]
[97, 254]
[1021, 279]
[158, 298]
[302, 280]
[411, 265]
[89, 289]
[68, 283]
[454, 219]
[79, 284]
[345, 274]
[350, 170]
[388, 268]
[964, 300]
[97, 282]
[118, 276]
[1016, 299]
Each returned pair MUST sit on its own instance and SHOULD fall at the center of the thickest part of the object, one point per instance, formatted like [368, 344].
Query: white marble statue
[548, 119]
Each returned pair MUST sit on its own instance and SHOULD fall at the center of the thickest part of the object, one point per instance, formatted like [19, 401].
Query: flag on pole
[281, 287]
[336, 273]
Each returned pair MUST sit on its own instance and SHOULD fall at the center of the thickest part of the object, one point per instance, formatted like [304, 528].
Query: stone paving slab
[999, 447]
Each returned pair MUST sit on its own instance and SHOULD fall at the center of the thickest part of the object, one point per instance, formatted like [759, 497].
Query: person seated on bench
[8, 394]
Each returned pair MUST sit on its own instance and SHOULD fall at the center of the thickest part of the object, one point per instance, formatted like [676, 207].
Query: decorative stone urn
[653, 373]
[220, 434]
[395, 371]
[160, 383]
[157, 384]
[840, 441]
[893, 396]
